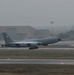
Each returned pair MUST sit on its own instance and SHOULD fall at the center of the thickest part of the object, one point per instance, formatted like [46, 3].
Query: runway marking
[37, 61]
[62, 63]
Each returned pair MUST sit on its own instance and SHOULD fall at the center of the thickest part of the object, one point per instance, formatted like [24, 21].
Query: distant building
[23, 32]
[68, 35]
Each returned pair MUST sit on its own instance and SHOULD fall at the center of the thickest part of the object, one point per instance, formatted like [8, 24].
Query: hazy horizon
[37, 13]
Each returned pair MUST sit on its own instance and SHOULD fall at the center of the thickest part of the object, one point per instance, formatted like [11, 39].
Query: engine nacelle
[20, 45]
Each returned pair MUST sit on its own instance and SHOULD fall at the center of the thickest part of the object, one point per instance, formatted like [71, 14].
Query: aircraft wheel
[30, 48]
[33, 48]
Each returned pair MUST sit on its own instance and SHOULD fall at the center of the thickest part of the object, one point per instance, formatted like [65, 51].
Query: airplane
[31, 43]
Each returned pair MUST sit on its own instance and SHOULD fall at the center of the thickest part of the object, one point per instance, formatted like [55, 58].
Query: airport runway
[10, 49]
[37, 61]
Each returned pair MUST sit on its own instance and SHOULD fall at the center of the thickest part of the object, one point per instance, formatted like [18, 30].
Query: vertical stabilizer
[7, 38]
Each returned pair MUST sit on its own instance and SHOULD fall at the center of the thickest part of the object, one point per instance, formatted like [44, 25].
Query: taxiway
[37, 61]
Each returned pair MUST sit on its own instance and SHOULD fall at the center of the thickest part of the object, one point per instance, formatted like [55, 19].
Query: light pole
[52, 27]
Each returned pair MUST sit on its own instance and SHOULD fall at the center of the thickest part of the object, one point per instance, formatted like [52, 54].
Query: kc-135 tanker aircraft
[31, 43]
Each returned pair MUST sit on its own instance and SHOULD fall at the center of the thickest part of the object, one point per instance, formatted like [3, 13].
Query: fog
[38, 13]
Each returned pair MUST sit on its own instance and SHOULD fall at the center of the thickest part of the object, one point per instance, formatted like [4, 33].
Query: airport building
[23, 32]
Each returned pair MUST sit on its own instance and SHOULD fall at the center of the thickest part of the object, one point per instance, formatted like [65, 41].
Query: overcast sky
[37, 12]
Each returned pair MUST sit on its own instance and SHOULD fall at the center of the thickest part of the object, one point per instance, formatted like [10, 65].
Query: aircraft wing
[30, 44]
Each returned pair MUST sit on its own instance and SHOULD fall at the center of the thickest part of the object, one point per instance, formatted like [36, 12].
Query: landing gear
[33, 48]
[53, 45]
[3, 45]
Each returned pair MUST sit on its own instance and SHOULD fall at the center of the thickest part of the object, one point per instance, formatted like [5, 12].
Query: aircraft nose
[59, 39]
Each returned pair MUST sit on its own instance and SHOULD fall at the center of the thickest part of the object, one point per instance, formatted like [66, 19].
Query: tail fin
[7, 38]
